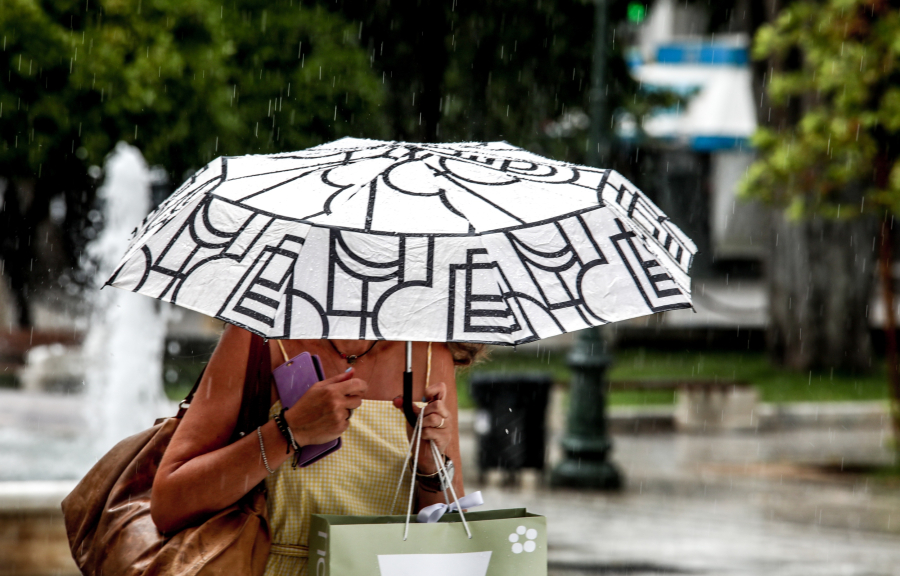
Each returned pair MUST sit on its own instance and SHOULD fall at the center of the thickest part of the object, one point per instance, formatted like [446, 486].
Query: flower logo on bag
[528, 545]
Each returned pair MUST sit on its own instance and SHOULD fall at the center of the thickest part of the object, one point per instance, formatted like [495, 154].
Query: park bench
[700, 405]
[15, 344]
[676, 384]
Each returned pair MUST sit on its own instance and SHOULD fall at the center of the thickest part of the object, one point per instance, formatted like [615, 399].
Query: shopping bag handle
[442, 470]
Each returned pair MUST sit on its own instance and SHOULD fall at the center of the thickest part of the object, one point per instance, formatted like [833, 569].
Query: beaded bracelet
[288, 436]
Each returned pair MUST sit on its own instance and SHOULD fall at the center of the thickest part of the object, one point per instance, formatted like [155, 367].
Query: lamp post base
[586, 474]
[586, 445]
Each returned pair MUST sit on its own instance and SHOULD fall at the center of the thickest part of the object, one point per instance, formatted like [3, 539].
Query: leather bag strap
[186, 403]
[257, 389]
[256, 395]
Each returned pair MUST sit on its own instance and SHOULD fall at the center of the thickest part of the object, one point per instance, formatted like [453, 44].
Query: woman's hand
[436, 425]
[323, 413]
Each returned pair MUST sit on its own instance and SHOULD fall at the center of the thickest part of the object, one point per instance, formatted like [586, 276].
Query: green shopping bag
[503, 543]
[492, 543]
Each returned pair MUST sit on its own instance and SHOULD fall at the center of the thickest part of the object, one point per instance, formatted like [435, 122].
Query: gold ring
[442, 424]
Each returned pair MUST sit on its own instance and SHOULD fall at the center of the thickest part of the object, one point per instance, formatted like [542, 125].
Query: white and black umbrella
[365, 239]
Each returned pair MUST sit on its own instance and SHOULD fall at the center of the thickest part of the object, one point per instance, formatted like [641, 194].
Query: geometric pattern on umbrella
[476, 242]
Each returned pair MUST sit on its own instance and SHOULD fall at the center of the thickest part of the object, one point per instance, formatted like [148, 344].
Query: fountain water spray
[124, 343]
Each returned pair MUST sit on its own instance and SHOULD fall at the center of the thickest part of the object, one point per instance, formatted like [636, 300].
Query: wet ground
[773, 504]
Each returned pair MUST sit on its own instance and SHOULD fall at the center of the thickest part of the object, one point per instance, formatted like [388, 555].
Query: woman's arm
[200, 473]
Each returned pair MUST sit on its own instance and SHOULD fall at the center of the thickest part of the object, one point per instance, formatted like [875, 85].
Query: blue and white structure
[718, 118]
[715, 77]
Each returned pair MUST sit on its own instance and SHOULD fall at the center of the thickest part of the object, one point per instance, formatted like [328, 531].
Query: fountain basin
[33, 538]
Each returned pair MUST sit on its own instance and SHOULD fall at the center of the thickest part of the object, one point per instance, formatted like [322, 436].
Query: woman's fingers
[439, 436]
[351, 387]
[398, 403]
[321, 415]
[435, 413]
[435, 420]
[436, 391]
[341, 377]
[433, 393]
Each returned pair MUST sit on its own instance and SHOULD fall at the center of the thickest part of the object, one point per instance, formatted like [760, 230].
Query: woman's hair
[467, 353]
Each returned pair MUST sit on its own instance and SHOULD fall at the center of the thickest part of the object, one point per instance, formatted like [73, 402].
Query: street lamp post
[598, 143]
[586, 444]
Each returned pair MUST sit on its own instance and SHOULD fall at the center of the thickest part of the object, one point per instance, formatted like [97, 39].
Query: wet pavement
[768, 503]
[661, 534]
[765, 504]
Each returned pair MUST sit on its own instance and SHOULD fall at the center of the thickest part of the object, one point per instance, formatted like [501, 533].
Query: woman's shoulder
[223, 377]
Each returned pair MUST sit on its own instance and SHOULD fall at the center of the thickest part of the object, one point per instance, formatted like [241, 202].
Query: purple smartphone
[293, 379]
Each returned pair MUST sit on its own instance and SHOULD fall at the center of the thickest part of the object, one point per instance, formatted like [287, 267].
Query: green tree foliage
[299, 77]
[847, 88]
[841, 82]
[183, 80]
[142, 72]
[175, 77]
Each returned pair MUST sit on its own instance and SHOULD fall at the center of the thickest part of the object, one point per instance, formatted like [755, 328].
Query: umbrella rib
[243, 281]
[160, 217]
[370, 209]
[203, 208]
[325, 166]
[483, 199]
[567, 249]
[557, 270]
[272, 172]
[270, 188]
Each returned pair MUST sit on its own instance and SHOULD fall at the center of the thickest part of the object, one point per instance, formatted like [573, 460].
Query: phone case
[293, 379]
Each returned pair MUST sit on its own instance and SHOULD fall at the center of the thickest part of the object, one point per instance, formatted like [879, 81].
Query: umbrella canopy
[471, 242]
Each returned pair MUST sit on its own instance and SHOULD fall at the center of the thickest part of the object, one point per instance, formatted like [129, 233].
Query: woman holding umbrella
[371, 244]
[201, 473]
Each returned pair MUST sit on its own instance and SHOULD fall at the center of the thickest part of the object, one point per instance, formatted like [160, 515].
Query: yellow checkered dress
[358, 479]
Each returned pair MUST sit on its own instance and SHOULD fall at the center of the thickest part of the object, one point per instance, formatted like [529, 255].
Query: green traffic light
[636, 12]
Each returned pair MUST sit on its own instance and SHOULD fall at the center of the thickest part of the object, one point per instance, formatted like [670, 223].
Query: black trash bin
[510, 423]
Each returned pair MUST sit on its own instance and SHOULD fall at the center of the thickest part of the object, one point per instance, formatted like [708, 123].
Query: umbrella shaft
[408, 399]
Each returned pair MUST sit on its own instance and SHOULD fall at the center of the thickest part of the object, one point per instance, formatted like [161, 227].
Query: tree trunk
[820, 277]
[434, 43]
[16, 246]
[885, 260]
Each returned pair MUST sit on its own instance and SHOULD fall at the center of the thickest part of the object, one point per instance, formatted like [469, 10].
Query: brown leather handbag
[107, 515]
